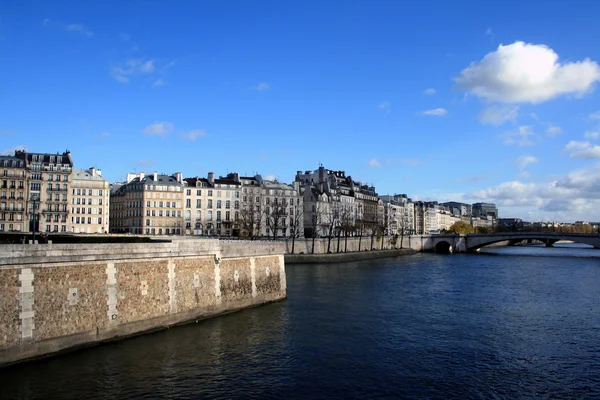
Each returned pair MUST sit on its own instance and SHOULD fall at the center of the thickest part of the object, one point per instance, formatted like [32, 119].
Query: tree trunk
[293, 241]
[359, 241]
[329, 241]
[338, 245]
[382, 241]
[313, 243]
[372, 239]
[345, 242]
[402, 239]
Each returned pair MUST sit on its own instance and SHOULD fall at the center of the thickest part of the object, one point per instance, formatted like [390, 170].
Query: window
[228, 204]
[100, 220]
[198, 203]
[188, 192]
[218, 203]
[210, 216]
[218, 216]
[209, 203]
[198, 215]
[188, 215]
[188, 203]
[198, 192]
[227, 215]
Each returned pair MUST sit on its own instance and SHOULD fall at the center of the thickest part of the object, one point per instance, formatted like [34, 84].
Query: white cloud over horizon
[261, 87]
[436, 112]
[77, 28]
[570, 197]
[583, 150]
[522, 136]
[525, 160]
[158, 129]
[374, 163]
[386, 106]
[429, 92]
[527, 73]
[498, 115]
[193, 134]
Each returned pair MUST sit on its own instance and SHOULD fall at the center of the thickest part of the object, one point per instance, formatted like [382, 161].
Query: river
[513, 322]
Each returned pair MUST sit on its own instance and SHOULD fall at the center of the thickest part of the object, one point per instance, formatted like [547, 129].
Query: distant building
[484, 210]
[49, 177]
[90, 194]
[13, 195]
[148, 205]
[510, 224]
[462, 209]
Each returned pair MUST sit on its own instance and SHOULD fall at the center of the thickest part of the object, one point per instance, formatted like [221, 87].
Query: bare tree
[296, 218]
[333, 217]
[252, 217]
[275, 213]
[347, 224]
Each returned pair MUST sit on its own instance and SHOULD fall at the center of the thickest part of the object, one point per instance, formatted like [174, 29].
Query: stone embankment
[58, 297]
[345, 257]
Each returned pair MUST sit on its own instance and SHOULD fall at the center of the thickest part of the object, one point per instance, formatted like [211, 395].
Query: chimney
[179, 177]
[142, 175]
[211, 178]
[155, 176]
[93, 171]
[99, 172]
[236, 177]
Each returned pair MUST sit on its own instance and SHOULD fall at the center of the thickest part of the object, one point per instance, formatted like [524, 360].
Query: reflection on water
[496, 324]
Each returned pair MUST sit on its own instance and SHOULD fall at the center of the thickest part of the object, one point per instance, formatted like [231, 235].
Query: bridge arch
[443, 247]
[475, 242]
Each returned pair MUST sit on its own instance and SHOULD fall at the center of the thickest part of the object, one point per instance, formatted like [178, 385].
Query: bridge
[473, 242]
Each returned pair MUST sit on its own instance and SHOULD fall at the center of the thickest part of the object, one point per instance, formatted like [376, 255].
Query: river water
[518, 322]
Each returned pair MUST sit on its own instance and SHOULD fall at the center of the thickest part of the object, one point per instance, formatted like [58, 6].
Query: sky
[439, 100]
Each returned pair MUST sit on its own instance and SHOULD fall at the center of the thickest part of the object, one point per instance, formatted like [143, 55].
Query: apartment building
[13, 194]
[49, 180]
[89, 202]
[212, 206]
[148, 205]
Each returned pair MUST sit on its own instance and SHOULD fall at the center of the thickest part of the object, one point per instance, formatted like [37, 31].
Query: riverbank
[345, 257]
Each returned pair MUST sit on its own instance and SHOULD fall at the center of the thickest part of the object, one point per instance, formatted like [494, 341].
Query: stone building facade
[49, 182]
[89, 202]
[148, 205]
[13, 194]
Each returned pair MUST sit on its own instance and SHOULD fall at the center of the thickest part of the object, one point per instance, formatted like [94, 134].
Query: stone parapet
[60, 297]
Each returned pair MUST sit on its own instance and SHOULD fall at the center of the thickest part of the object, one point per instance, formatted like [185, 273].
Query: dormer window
[34, 157]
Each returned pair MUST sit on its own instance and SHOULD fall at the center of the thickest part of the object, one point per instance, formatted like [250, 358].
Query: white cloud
[522, 136]
[11, 151]
[79, 28]
[524, 175]
[429, 92]
[524, 72]
[497, 115]
[158, 83]
[131, 68]
[270, 177]
[570, 197]
[592, 134]
[158, 129]
[386, 106]
[374, 163]
[525, 160]
[582, 150]
[553, 130]
[193, 134]
[261, 87]
[595, 115]
[437, 112]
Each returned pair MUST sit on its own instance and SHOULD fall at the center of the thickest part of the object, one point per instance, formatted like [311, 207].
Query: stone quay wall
[415, 242]
[57, 297]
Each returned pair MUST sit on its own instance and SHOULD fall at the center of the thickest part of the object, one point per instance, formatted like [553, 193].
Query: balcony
[64, 190]
[54, 212]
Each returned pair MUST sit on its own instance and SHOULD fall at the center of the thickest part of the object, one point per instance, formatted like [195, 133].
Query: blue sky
[415, 98]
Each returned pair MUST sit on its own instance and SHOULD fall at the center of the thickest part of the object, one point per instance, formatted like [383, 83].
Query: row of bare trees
[337, 220]
[277, 215]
